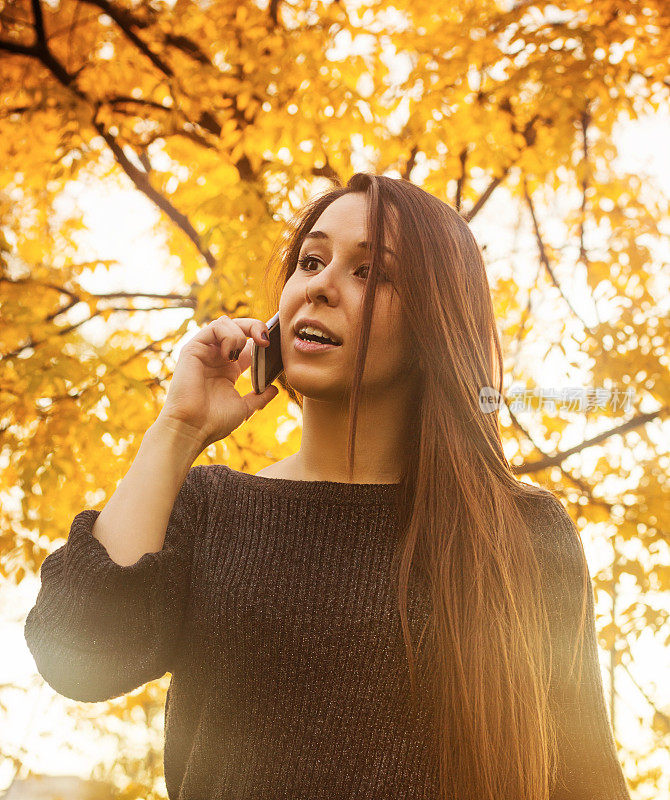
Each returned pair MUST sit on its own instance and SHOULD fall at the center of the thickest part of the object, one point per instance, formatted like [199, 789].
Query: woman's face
[327, 286]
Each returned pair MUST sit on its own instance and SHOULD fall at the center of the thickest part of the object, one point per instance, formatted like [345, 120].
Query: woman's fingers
[244, 359]
[253, 328]
[230, 336]
[254, 402]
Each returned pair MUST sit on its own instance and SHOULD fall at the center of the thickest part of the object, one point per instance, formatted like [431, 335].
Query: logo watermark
[573, 398]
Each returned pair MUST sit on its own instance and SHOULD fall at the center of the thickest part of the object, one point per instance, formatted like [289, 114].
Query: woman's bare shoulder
[281, 469]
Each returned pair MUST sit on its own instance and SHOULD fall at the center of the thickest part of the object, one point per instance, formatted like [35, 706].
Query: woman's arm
[107, 621]
[135, 517]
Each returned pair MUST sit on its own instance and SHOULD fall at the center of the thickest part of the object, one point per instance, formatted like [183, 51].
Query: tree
[226, 116]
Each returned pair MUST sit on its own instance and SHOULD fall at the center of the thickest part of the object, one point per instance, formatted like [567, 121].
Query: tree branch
[409, 164]
[141, 181]
[529, 134]
[485, 196]
[32, 344]
[583, 254]
[545, 259]
[125, 20]
[188, 46]
[139, 178]
[273, 10]
[17, 47]
[327, 171]
[555, 460]
[462, 157]
[582, 485]
[665, 717]
[39, 23]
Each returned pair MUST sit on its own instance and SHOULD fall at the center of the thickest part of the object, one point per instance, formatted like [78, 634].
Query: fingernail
[265, 336]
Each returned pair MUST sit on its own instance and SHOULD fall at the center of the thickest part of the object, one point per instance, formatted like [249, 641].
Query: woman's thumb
[255, 402]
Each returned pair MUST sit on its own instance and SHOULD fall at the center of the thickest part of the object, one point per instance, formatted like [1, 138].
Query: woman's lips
[305, 346]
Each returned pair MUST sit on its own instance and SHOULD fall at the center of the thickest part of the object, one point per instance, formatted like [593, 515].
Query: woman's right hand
[202, 400]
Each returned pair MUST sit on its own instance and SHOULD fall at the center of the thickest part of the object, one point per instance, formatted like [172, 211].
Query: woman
[286, 604]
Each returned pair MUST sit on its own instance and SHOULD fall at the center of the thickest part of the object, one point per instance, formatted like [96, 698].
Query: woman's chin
[316, 383]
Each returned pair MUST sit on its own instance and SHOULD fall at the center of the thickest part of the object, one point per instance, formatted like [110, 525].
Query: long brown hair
[460, 504]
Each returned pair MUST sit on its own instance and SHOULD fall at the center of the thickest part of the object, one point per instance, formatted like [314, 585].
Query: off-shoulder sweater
[273, 607]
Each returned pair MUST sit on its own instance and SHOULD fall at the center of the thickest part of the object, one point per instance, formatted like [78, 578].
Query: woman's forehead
[345, 215]
[344, 222]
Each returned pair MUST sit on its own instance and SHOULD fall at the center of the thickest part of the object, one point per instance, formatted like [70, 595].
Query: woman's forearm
[135, 518]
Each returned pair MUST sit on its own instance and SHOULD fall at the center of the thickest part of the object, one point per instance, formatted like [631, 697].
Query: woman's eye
[383, 277]
[305, 260]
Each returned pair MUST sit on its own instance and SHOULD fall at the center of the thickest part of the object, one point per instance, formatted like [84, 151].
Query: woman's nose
[323, 285]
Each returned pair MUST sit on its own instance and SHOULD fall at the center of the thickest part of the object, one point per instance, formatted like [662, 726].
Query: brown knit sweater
[272, 605]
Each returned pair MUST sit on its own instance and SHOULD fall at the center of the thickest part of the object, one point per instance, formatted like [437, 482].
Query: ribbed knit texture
[273, 606]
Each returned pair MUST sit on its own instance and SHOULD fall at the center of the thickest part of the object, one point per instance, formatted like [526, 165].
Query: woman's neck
[380, 449]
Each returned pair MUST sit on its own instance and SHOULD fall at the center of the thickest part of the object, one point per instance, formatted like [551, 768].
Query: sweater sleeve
[99, 629]
[588, 765]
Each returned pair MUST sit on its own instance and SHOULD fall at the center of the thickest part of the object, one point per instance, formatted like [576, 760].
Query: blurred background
[150, 153]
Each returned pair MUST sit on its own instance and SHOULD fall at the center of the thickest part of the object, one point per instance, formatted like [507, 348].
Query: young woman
[286, 604]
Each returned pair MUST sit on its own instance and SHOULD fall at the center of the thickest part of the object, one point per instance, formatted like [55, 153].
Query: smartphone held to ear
[266, 363]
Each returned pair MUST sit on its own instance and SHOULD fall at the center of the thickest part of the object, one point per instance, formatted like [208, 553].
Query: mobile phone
[266, 363]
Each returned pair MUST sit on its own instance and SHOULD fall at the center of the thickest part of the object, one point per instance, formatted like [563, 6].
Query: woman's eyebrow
[323, 235]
